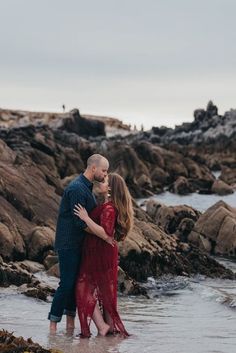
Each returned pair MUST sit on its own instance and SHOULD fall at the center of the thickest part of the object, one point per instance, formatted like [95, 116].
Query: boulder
[228, 175]
[181, 186]
[219, 187]
[40, 240]
[169, 218]
[215, 230]
[128, 286]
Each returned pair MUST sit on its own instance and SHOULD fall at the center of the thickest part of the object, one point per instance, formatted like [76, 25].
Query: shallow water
[199, 201]
[183, 315]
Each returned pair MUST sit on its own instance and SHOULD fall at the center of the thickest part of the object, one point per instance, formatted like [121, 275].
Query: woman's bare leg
[108, 320]
[101, 325]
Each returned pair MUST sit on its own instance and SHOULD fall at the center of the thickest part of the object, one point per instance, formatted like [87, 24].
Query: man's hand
[110, 241]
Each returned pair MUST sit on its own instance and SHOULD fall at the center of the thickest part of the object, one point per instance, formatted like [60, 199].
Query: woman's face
[103, 186]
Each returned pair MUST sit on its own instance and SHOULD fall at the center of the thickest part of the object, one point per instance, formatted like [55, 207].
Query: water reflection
[75, 344]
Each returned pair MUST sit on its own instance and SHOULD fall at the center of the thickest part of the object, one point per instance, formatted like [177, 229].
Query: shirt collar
[87, 182]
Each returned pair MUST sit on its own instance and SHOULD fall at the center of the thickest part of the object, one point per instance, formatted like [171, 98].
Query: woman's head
[121, 198]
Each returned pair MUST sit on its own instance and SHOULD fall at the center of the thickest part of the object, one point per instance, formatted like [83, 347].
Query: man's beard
[98, 178]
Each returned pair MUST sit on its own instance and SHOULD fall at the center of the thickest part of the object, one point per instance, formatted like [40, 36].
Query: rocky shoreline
[40, 154]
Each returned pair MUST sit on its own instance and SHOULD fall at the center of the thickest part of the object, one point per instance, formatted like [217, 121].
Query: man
[69, 238]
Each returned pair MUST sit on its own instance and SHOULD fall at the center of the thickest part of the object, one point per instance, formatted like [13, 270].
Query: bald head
[95, 159]
[97, 167]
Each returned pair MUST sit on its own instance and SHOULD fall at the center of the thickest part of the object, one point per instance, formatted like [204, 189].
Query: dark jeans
[64, 298]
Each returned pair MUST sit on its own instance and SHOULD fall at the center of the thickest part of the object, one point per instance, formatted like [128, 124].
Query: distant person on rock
[63, 108]
[70, 233]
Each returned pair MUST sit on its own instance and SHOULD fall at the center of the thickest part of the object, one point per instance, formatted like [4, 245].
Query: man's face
[101, 170]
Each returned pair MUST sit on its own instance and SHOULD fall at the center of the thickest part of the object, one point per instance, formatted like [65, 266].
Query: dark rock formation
[17, 274]
[11, 344]
[38, 160]
[82, 126]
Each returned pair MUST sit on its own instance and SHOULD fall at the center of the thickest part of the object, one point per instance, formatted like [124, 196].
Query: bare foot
[53, 327]
[104, 330]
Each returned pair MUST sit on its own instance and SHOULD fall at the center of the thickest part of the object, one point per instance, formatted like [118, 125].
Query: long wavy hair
[121, 198]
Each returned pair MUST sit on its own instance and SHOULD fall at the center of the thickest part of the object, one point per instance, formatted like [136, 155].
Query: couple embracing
[86, 242]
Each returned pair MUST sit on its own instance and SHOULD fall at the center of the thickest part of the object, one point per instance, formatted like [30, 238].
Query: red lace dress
[97, 280]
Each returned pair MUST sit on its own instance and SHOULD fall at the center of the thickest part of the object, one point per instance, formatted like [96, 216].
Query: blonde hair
[121, 198]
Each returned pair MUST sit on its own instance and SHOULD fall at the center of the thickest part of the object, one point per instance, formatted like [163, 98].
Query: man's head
[97, 167]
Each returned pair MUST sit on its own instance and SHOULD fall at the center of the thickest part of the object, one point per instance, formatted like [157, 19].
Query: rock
[40, 154]
[128, 286]
[13, 274]
[169, 218]
[54, 271]
[124, 161]
[31, 266]
[82, 126]
[18, 275]
[219, 187]
[12, 344]
[40, 240]
[184, 229]
[159, 178]
[228, 175]
[149, 251]
[181, 186]
[50, 261]
[66, 181]
[201, 242]
[217, 225]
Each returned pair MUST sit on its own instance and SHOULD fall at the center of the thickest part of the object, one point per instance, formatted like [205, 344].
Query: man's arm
[76, 196]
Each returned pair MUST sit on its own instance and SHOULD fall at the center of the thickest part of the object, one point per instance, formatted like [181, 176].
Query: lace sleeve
[108, 219]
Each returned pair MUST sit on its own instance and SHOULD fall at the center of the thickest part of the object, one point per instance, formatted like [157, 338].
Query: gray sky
[150, 62]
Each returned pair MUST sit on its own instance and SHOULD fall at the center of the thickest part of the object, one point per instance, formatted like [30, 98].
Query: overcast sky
[150, 62]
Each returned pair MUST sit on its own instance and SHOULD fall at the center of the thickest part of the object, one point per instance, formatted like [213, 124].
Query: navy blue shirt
[70, 228]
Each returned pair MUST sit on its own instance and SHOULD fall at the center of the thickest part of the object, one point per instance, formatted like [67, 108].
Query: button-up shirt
[70, 228]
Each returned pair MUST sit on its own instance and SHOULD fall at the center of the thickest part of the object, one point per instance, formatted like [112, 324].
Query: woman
[97, 282]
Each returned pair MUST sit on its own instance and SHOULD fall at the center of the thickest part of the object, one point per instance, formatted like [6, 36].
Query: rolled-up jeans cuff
[69, 313]
[54, 318]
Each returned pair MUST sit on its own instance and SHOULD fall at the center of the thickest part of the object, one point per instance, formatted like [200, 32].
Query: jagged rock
[36, 160]
[149, 251]
[219, 187]
[215, 230]
[181, 186]
[18, 275]
[127, 286]
[82, 126]
[11, 344]
[169, 218]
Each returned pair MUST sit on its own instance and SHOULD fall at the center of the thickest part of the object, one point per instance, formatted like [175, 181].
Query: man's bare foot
[104, 330]
[70, 323]
[53, 327]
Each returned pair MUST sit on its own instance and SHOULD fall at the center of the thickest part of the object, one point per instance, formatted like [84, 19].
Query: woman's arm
[93, 227]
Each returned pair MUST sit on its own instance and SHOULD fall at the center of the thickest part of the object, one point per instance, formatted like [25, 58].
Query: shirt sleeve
[108, 219]
[76, 196]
